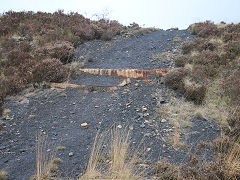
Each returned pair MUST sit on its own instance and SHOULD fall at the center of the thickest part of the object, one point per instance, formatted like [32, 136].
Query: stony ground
[59, 113]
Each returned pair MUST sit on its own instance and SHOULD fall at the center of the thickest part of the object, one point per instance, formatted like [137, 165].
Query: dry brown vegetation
[209, 75]
[209, 70]
[35, 47]
[46, 164]
[3, 175]
[116, 160]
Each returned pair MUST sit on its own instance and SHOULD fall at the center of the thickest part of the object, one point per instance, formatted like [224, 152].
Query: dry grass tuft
[177, 39]
[3, 175]
[46, 166]
[232, 161]
[42, 158]
[60, 148]
[165, 56]
[121, 163]
[165, 170]
[141, 31]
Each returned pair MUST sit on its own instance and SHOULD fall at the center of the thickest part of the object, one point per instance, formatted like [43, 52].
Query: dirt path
[59, 113]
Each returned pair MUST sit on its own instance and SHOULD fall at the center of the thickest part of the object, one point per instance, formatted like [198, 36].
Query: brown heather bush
[232, 49]
[25, 47]
[107, 35]
[195, 93]
[165, 170]
[200, 73]
[231, 87]
[27, 39]
[1, 104]
[199, 44]
[190, 89]
[212, 57]
[8, 43]
[49, 70]
[181, 60]
[16, 57]
[231, 32]
[60, 50]
[175, 79]
[234, 122]
[187, 47]
[11, 85]
[204, 29]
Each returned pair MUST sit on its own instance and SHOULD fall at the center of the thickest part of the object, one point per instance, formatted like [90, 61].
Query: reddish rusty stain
[85, 88]
[147, 80]
[127, 73]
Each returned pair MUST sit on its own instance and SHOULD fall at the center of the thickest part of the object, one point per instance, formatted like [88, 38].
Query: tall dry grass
[46, 165]
[115, 161]
[232, 161]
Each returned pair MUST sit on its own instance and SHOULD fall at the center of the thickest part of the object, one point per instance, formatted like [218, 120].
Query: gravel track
[59, 113]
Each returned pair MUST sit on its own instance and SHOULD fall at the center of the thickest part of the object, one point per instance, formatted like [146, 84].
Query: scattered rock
[70, 154]
[125, 82]
[81, 58]
[8, 117]
[63, 95]
[136, 84]
[31, 116]
[61, 148]
[147, 134]
[142, 125]
[163, 120]
[22, 150]
[2, 147]
[90, 59]
[146, 114]
[137, 109]
[143, 165]
[128, 104]
[147, 122]
[140, 115]
[84, 125]
[2, 124]
[119, 126]
[162, 101]
[131, 128]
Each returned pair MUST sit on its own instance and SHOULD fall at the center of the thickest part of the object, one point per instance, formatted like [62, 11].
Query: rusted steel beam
[85, 88]
[127, 73]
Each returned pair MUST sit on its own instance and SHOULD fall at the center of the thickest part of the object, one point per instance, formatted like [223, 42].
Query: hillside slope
[137, 103]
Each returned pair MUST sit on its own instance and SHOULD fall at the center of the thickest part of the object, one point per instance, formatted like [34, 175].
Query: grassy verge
[209, 71]
[209, 76]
